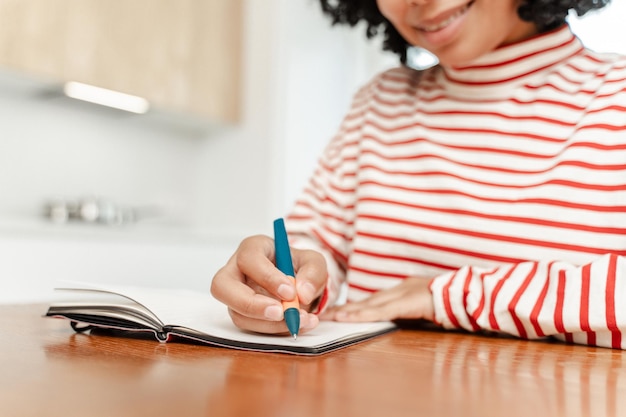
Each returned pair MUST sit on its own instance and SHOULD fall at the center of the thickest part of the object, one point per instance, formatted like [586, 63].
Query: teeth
[446, 22]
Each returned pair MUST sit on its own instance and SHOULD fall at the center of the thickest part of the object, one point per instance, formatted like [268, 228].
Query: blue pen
[285, 265]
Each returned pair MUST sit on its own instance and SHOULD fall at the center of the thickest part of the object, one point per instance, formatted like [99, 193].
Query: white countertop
[37, 255]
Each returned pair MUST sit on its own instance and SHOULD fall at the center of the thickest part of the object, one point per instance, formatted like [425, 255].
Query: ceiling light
[106, 97]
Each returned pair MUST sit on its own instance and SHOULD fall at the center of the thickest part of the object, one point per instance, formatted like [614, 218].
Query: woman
[486, 193]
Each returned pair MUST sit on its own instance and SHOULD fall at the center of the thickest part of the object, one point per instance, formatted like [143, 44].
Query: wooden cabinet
[181, 55]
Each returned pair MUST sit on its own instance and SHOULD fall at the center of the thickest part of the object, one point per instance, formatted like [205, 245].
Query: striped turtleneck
[504, 181]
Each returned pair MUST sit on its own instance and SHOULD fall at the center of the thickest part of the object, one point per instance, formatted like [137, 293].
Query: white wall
[603, 30]
[50, 146]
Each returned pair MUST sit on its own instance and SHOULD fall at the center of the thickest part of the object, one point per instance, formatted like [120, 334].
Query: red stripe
[448, 249]
[545, 101]
[566, 90]
[569, 337]
[513, 219]
[306, 205]
[564, 183]
[430, 288]
[492, 236]
[579, 83]
[534, 315]
[602, 126]
[494, 295]
[498, 65]
[464, 130]
[447, 304]
[611, 320]
[322, 196]
[404, 94]
[341, 258]
[326, 198]
[466, 290]
[446, 114]
[393, 83]
[392, 111]
[361, 288]
[380, 274]
[544, 201]
[560, 298]
[591, 339]
[545, 51]
[410, 259]
[518, 295]
[477, 167]
[359, 137]
[321, 306]
[610, 107]
[502, 80]
[397, 98]
[354, 146]
[327, 219]
[409, 101]
[584, 298]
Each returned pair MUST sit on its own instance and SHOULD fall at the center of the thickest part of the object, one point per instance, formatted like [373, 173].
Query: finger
[382, 297]
[381, 312]
[379, 298]
[254, 260]
[354, 311]
[312, 274]
[307, 323]
[230, 285]
[375, 300]
[229, 288]
[411, 300]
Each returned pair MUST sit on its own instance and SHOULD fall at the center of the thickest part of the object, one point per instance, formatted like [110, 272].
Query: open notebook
[197, 316]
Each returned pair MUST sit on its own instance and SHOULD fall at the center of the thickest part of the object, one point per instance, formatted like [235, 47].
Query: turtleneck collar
[509, 66]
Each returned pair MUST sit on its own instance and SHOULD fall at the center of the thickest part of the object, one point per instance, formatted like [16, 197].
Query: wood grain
[49, 370]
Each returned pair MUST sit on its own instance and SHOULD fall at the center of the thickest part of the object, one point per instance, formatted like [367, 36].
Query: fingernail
[307, 292]
[274, 313]
[287, 292]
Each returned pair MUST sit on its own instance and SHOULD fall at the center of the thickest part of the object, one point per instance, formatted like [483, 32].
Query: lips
[443, 19]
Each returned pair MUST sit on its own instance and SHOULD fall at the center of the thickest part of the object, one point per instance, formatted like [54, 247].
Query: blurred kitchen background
[243, 96]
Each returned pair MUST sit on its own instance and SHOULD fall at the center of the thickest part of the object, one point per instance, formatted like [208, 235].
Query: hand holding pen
[291, 308]
[253, 287]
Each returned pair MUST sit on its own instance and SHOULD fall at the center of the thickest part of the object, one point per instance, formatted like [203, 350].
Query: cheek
[399, 12]
[396, 12]
[393, 10]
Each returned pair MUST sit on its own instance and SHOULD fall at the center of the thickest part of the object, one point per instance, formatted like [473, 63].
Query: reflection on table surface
[50, 370]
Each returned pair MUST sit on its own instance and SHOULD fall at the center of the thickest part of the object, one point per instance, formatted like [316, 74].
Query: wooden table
[48, 370]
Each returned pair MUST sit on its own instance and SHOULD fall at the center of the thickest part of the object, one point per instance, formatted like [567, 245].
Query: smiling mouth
[444, 23]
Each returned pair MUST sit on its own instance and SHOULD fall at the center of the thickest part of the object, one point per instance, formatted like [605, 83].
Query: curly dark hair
[546, 14]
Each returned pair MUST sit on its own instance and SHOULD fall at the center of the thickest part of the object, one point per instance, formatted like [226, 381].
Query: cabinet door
[181, 55]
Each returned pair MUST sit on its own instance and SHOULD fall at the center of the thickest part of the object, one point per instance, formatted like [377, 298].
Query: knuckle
[248, 308]
[216, 286]
[237, 319]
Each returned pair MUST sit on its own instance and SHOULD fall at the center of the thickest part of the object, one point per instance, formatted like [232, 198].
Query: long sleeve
[323, 217]
[582, 304]
[509, 193]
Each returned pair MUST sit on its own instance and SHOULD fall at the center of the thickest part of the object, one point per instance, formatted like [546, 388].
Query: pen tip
[295, 337]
